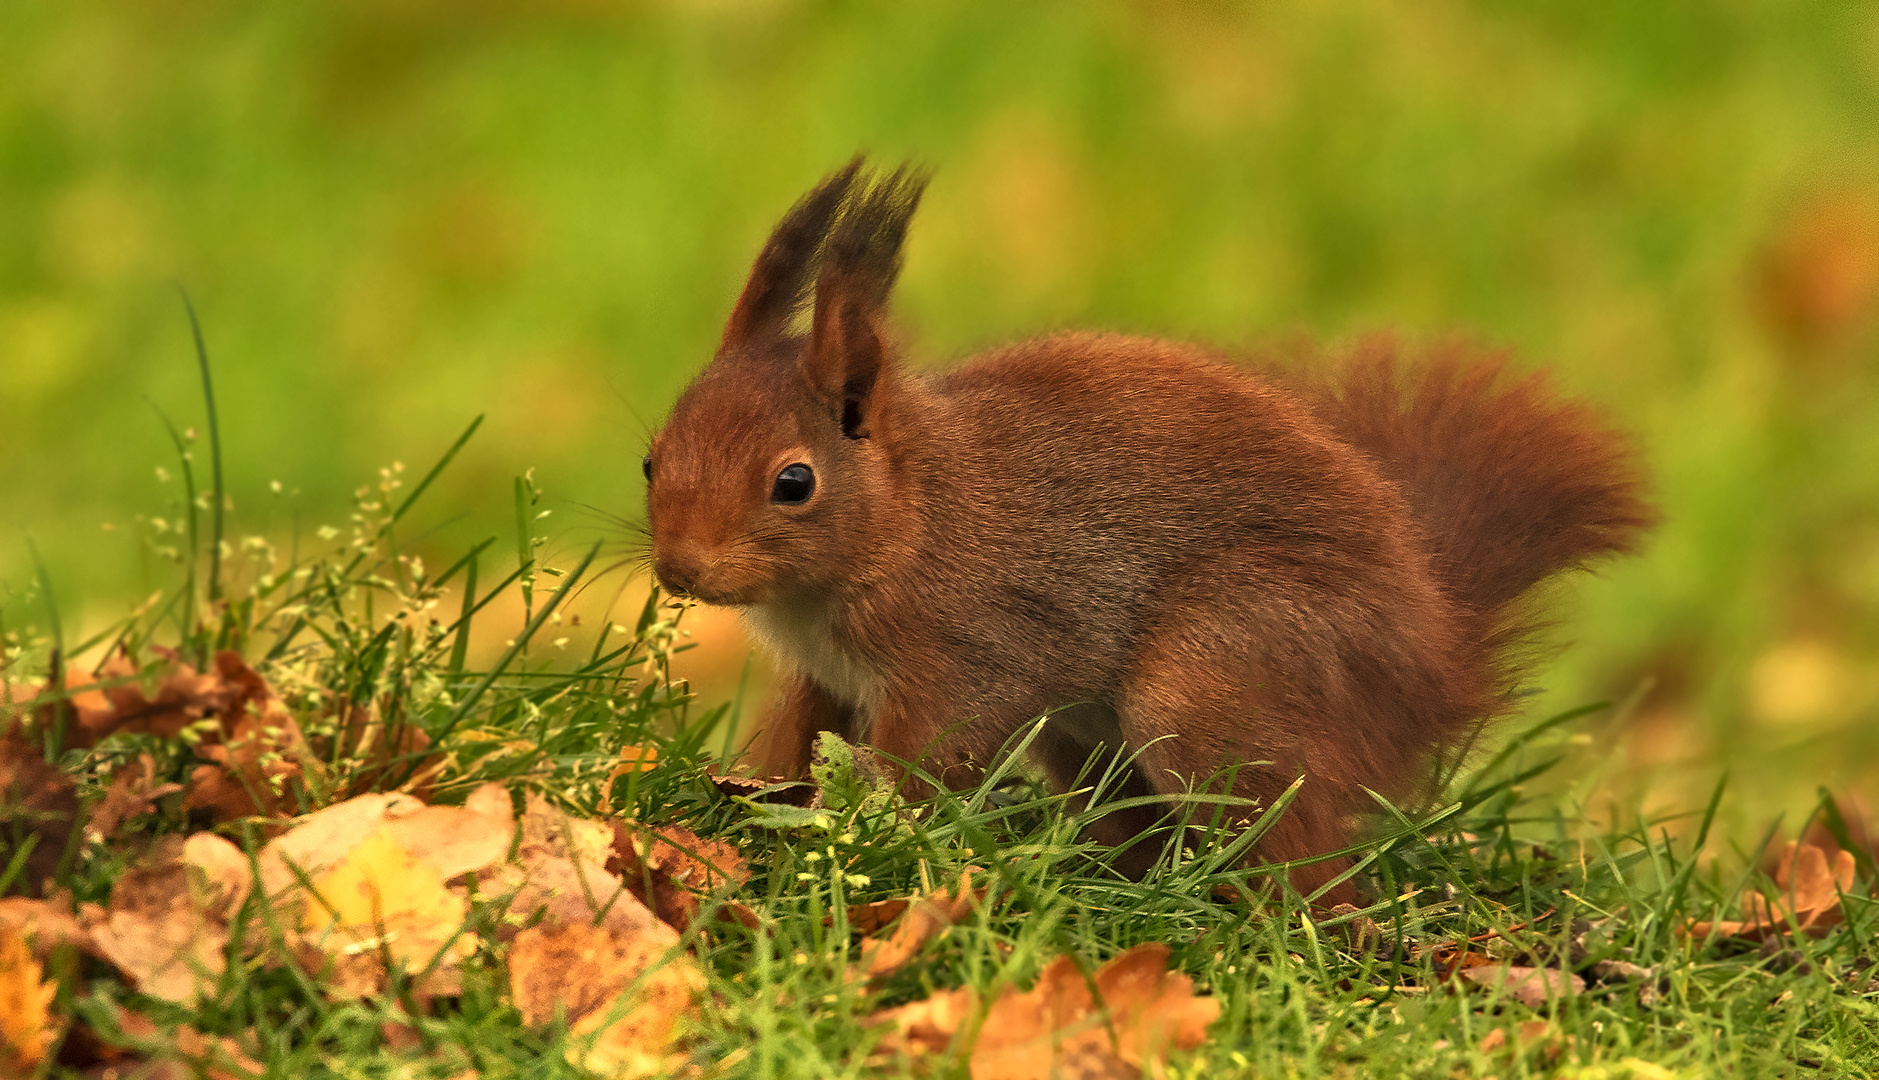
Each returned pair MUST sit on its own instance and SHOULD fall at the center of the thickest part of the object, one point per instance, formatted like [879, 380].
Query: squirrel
[1185, 565]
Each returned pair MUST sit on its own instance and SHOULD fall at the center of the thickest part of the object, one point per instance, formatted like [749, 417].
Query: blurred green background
[394, 215]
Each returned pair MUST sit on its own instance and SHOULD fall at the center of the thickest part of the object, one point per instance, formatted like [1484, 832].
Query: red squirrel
[1179, 561]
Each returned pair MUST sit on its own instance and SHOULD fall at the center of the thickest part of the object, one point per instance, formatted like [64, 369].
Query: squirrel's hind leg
[1081, 749]
[1209, 703]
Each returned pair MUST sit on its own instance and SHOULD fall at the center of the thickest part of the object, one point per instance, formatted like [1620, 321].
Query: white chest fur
[801, 638]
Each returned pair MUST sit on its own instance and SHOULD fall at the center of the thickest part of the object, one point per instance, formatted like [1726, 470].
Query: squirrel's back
[1117, 443]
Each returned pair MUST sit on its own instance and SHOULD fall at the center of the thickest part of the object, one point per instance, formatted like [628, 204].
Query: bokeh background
[396, 215]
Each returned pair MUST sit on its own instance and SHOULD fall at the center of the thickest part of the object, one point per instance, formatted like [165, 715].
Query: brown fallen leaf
[45, 924]
[1529, 1031]
[625, 996]
[770, 789]
[549, 829]
[383, 755]
[1856, 818]
[27, 1027]
[38, 806]
[584, 945]
[669, 868]
[458, 840]
[925, 918]
[167, 923]
[133, 792]
[869, 919]
[1808, 887]
[253, 746]
[559, 875]
[633, 759]
[182, 697]
[1530, 986]
[181, 1053]
[930, 1025]
[1123, 1018]
[254, 771]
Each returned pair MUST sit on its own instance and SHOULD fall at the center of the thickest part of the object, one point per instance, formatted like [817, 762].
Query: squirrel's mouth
[708, 583]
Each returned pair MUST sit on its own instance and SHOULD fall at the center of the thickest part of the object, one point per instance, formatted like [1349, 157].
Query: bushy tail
[1509, 482]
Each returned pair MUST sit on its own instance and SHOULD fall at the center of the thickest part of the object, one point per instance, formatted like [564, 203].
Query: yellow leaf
[377, 880]
[25, 1004]
[384, 897]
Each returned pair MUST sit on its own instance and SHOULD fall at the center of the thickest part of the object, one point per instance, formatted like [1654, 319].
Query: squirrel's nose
[678, 571]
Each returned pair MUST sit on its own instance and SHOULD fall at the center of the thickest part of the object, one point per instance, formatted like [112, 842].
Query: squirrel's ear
[848, 349]
[780, 277]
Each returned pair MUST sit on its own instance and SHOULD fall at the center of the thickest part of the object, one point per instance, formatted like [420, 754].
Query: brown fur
[1185, 561]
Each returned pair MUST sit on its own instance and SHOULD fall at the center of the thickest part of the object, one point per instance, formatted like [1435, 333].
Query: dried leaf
[182, 1053]
[383, 904]
[930, 1025]
[925, 918]
[555, 889]
[380, 880]
[634, 759]
[385, 755]
[668, 868]
[167, 925]
[770, 789]
[183, 697]
[1531, 986]
[624, 994]
[550, 830]
[26, 1024]
[38, 805]
[226, 875]
[254, 771]
[45, 924]
[379, 864]
[133, 792]
[1808, 886]
[1529, 1031]
[868, 919]
[457, 840]
[590, 948]
[1845, 814]
[1125, 1017]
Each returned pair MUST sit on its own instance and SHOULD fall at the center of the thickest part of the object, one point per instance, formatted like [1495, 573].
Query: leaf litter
[1809, 882]
[1112, 1022]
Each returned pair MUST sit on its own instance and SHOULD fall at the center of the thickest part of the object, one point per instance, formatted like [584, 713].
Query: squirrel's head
[766, 477]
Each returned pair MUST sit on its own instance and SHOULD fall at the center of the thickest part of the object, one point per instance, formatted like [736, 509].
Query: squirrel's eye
[645, 466]
[794, 485]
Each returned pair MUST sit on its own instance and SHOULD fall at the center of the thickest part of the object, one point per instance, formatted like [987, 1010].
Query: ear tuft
[848, 342]
[779, 280]
[862, 257]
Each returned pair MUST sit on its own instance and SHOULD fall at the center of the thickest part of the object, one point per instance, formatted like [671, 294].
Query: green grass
[355, 622]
